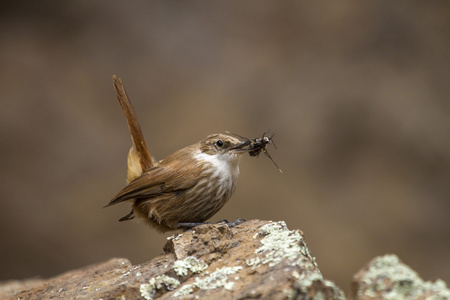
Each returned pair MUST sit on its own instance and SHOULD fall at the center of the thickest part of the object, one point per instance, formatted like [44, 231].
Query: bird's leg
[236, 222]
[189, 226]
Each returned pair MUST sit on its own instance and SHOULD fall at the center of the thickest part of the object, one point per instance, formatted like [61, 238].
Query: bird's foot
[235, 223]
[190, 226]
[232, 224]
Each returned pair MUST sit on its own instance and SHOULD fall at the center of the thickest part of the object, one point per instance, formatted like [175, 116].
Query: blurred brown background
[357, 93]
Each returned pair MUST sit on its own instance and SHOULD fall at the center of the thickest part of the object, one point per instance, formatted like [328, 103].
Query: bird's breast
[220, 173]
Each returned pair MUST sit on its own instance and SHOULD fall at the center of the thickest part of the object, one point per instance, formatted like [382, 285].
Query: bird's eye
[219, 143]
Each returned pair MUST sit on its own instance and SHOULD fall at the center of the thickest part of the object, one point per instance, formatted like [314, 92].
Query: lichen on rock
[278, 244]
[148, 290]
[217, 279]
[190, 263]
[386, 277]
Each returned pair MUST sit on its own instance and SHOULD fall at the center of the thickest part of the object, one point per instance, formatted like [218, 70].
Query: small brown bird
[186, 188]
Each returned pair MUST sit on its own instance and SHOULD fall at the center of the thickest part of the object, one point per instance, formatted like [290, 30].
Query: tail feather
[140, 145]
[130, 216]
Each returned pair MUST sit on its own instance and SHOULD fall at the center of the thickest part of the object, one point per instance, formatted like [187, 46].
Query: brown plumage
[188, 186]
[139, 158]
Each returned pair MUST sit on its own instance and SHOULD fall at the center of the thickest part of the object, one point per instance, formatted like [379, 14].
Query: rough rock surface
[257, 259]
[386, 277]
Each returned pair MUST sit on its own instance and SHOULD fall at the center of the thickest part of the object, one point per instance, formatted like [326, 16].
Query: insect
[258, 145]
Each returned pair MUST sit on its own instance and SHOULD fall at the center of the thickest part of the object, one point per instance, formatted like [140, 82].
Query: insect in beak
[255, 146]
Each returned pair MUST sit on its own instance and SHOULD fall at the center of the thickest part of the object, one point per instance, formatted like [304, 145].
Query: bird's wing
[158, 180]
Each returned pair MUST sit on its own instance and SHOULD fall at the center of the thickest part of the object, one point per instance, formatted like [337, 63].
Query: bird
[184, 189]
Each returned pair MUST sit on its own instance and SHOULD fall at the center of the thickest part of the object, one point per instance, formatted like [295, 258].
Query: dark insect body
[255, 146]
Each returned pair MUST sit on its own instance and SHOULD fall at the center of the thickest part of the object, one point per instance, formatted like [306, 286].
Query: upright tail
[140, 151]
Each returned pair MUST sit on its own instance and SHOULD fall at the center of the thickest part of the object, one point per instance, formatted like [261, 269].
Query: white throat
[226, 166]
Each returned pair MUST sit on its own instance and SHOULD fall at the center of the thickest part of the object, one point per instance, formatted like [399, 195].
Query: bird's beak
[239, 148]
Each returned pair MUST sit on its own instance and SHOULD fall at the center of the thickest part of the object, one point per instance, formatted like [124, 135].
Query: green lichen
[338, 293]
[305, 280]
[289, 294]
[216, 279]
[387, 275]
[190, 263]
[278, 244]
[148, 290]
[439, 290]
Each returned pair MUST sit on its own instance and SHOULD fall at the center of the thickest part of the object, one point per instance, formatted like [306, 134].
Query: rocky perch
[257, 259]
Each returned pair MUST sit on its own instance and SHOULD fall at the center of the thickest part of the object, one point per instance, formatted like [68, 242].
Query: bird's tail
[139, 158]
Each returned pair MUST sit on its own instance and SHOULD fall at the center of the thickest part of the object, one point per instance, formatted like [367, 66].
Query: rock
[12, 287]
[386, 277]
[257, 259]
